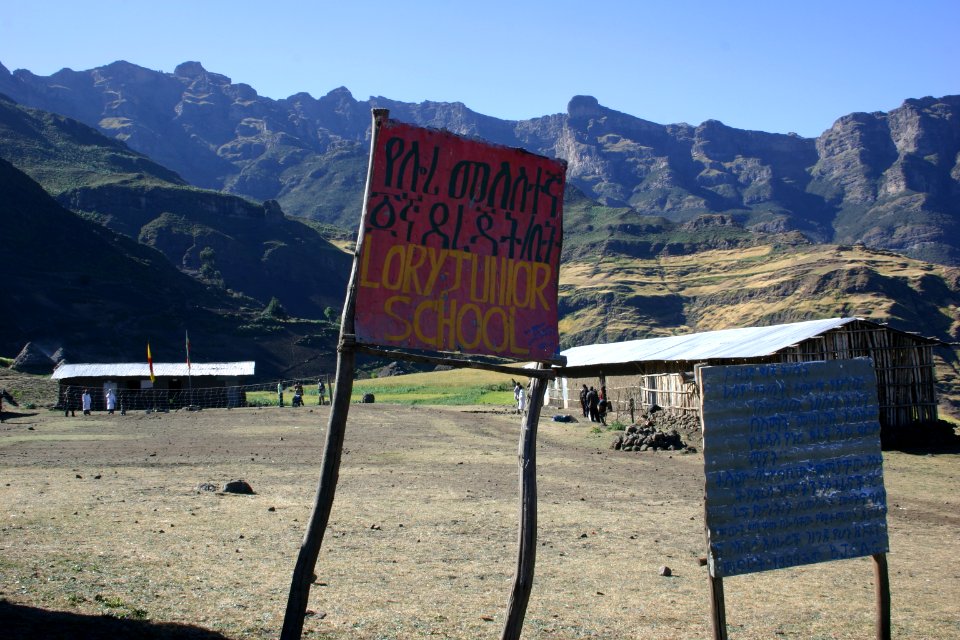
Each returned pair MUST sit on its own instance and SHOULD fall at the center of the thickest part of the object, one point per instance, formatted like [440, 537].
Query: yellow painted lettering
[399, 316]
[365, 265]
[511, 331]
[393, 266]
[446, 324]
[463, 323]
[488, 326]
[519, 279]
[416, 256]
[542, 274]
[424, 307]
[437, 260]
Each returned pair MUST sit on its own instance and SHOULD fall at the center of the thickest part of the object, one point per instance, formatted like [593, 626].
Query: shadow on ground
[18, 621]
[923, 438]
[6, 414]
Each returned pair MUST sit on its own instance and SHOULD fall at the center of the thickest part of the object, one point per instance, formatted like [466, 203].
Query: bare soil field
[105, 533]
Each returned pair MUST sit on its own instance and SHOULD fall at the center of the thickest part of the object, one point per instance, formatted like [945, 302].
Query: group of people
[86, 401]
[594, 403]
[298, 395]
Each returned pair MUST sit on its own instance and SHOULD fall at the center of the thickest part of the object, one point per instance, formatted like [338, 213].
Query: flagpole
[152, 377]
[186, 335]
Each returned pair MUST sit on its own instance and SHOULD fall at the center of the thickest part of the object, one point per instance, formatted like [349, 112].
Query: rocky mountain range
[208, 207]
[886, 180]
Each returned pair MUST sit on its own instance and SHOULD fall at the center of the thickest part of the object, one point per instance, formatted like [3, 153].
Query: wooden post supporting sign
[527, 535]
[458, 255]
[786, 447]
[333, 448]
[882, 587]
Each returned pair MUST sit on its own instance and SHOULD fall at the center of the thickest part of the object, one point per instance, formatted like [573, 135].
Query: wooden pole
[329, 474]
[333, 448]
[527, 538]
[882, 580]
[458, 361]
[718, 611]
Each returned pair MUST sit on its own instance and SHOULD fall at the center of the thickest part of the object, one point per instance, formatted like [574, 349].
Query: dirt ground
[104, 533]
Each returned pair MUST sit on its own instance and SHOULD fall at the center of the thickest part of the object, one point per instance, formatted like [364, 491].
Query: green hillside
[73, 284]
[243, 247]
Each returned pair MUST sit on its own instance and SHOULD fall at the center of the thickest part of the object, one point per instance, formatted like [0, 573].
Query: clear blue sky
[770, 65]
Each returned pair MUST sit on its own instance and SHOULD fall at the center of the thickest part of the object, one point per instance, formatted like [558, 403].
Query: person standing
[593, 405]
[280, 393]
[70, 401]
[602, 405]
[521, 397]
[86, 402]
[321, 391]
[111, 401]
[583, 400]
[297, 394]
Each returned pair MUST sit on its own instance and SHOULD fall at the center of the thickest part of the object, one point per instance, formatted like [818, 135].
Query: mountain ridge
[702, 239]
[889, 180]
[244, 246]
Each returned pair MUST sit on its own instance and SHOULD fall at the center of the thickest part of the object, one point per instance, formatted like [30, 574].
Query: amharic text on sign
[461, 246]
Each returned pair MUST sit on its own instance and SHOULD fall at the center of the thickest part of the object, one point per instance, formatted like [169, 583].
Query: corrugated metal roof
[160, 369]
[746, 342]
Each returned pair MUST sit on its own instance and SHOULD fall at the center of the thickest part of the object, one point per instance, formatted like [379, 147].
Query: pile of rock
[659, 431]
[33, 359]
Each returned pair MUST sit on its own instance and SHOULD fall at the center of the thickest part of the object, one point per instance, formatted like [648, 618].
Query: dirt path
[102, 515]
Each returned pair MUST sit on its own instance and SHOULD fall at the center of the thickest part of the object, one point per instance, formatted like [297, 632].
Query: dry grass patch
[102, 516]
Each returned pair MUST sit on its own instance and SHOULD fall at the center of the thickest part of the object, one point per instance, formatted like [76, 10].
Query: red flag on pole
[150, 362]
[187, 336]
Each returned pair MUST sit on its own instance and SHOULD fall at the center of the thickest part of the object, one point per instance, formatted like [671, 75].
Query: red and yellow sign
[461, 246]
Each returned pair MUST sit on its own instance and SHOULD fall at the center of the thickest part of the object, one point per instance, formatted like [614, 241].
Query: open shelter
[659, 371]
[174, 385]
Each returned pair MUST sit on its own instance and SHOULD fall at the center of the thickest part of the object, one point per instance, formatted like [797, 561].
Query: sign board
[793, 464]
[460, 246]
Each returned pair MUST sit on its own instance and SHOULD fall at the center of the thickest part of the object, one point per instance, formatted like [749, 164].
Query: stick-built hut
[659, 371]
[175, 385]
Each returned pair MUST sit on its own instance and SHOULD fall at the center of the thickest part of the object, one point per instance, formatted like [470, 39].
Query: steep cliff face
[889, 180]
[893, 180]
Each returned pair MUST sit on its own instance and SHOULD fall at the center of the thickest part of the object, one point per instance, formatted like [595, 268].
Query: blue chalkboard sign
[794, 472]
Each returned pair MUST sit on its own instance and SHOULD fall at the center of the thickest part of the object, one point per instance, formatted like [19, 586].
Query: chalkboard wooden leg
[717, 609]
[882, 580]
